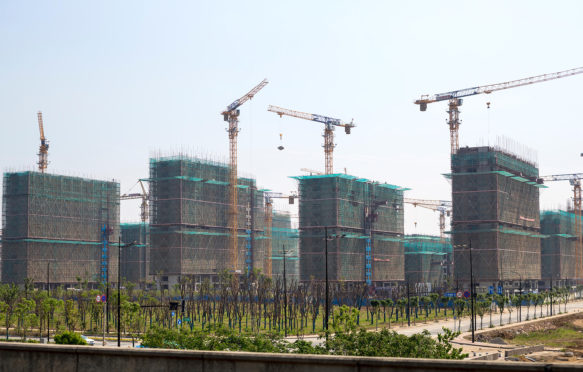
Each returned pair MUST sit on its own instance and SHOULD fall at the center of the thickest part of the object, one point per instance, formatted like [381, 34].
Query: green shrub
[69, 338]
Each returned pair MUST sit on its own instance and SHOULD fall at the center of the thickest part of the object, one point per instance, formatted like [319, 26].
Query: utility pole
[408, 306]
[118, 291]
[48, 295]
[284, 294]
[472, 293]
[520, 299]
[326, 264]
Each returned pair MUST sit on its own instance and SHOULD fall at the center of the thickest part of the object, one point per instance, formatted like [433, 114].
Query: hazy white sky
[119, 81]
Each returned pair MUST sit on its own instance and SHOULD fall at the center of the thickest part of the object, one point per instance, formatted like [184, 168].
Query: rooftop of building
[350, 177]
[56, 176]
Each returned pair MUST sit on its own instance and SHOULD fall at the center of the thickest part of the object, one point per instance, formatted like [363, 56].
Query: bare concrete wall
[58, 358]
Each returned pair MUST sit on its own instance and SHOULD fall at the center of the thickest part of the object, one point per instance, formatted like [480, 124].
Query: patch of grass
[560, 337]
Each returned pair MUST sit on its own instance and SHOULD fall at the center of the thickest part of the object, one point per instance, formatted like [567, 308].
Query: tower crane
[43, 151]
[231, 115]
[442, 206]
[455, 98]
[269, 196]
[329, 127]
[575, 181]
[144, 195]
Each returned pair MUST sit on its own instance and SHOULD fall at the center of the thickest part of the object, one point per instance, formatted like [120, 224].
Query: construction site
[496, 219]
[428, 261]
[201, 219]
[59, 229]
[135, 252]
[559, 255]
[189, 220]
[285, 247]
[355, 226]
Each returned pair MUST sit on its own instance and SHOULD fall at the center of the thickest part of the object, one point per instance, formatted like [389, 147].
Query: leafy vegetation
[69, 338]
[348, 339]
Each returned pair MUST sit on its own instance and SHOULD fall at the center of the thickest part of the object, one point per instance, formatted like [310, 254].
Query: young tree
[481, 308]
[528, 297]
[9, 295]
[402, 304]
[509, 305]
[460, 306]
[435, 301]
[373, 314]
[23, 309]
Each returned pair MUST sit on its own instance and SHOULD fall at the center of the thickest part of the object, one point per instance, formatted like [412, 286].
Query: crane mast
[231, 115]
[455, 98]
[43, 151]
[575, 181]
[144, 196]
[441, 206]
[329, 126]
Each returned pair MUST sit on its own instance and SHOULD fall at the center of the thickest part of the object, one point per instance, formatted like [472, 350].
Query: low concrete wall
[60, 358]
[525, 350]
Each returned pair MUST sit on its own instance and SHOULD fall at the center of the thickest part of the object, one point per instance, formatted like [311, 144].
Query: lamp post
[326, 265]
[472, 294]
[284, 293]
[119, 286]
[408, 306]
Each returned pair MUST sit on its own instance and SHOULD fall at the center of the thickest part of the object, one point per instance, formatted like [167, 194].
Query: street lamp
[520, 293]
[284, 293]
[326, 238]
[119, 287]
[472, 294]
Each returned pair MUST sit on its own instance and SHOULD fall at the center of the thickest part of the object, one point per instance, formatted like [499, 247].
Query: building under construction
[189, 220]
[59, 229]
[285, 247]
[559, 248]
[364, 224]
[495, 199]
[428, 261]
[135, 256]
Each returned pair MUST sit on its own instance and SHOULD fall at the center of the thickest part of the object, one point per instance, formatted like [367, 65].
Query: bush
[69, 338]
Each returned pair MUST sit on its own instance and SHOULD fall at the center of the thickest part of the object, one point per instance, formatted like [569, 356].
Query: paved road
[436, 327]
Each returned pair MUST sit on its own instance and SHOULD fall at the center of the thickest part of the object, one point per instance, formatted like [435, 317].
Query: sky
[119, 82]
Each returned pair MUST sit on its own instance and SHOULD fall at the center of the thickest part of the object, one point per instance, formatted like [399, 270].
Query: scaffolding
[428, 260]
[495, 199]
[52, 228]
[364, 220]
[285, 239]
[559, 249]
[135, 259]
[189, 218]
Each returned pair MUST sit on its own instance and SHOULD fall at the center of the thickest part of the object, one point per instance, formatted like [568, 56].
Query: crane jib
[457, 94]
[326, 120]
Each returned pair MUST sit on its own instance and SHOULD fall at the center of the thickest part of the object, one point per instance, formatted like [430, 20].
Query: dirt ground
[571, 354]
